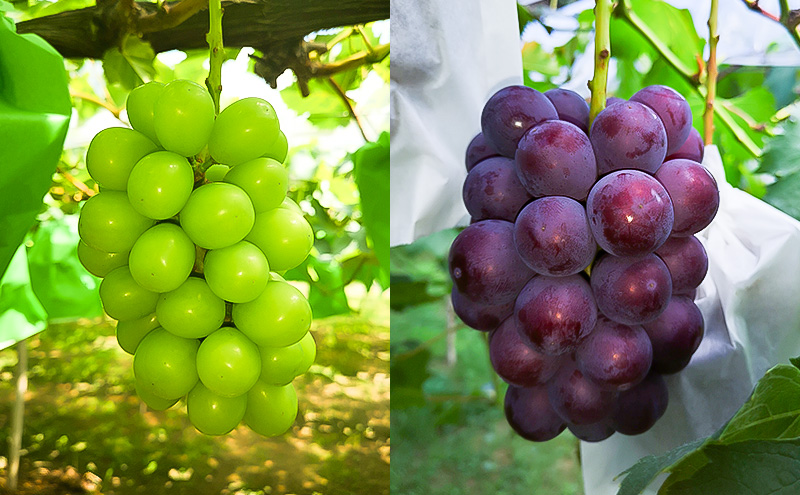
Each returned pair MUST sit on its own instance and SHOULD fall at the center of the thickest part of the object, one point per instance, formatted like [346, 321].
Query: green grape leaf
[371, 164]
[129, 66]
[536, 59]
[323, 106]
[782, 194]
[35, 109]
[782, 153]
[409, 371]
[21, 313]
[641, 474]
[327, 296]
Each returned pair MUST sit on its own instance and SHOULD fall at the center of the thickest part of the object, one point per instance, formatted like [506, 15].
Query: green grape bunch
[191, 231]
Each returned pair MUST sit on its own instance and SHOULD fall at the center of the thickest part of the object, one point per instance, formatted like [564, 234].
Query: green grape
[99, 263]
[109, 223]
[160, 184]
[217, 215]
[183, 117]
[165, 365]
[153, 401]
[271, 409]
[236, 273]
[279, 317]
[112, 154]
[213, 414]
[162, 258]
[279, 148]
[309, 353]
[192, 310]
[243, 131]
[140, 107]
[228, 363]
[279, 364]
[131, 332]
[263, 179]
[276, 276]
[289, 204]
[216, 172]
[124, 299]
[284, 236]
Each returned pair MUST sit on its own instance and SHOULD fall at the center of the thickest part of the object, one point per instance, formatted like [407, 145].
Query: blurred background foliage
[85, 429]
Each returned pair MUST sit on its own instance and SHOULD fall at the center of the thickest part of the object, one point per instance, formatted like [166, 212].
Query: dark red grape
[493, 190]
[631, 290]
[480, 316]
[672, 109]
[694, 195]
[628, 135]
[477, 151]
[484, 263]
[509, 114]
[639, 408]
[595, 432]
[553, 237]
[570, 107]
[675, 335]
[555, 314]
[692, 148]
[576, 399]
[687, 262]
[615, 356]
[515, 361]
[529, 413]
[555, 158]
[630, 213]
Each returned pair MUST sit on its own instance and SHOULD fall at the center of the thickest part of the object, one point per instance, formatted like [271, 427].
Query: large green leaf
[21, 313]
[371, 164]
[34, 115]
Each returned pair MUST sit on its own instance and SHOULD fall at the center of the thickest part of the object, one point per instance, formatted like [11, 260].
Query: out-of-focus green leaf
[21, 313]
[782, 153]
[327, 296]
[536, 59]
[524, 17]
[371, 163]
[131, 65]
[323, 106]
[409, 370]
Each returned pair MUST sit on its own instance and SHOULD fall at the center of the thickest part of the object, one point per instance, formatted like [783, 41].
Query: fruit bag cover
[447, 59]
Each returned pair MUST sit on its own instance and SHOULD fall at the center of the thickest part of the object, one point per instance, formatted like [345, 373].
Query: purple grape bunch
[581, 259]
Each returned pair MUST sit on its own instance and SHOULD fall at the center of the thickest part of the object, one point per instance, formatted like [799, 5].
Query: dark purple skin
[694, 195]
[675, 335]
[630, 213]
[516, 362]
[553, 237]
[631, 291]
[555, 314]
[613, 100]
[477, 151]
[493, 190]
[595, 432]
[673, 110]
[484, 263]
[529, 413]
[639, 408]
[615, 356]
[480, 316]
[628, 135]
[692, 148]
[555, 158]
[509, 114]
[570, 107]
[687, 262]
[576, 399]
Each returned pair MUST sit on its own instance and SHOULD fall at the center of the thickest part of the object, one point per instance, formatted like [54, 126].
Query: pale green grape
[141, 102]
[278, 149]
[289, 204]
[214, 414]
[217, 215]
[279, 317]
[131, 332]
[153, 401]
[228, 363]
[263, 179]
[236, 273]
[309, 353]
[279, 364]
[124, 299]
[99, 263]
[162, 258]
[271, 409]
[165, 365]
[160, 184]
[243, 131]
[183, 117]
[216, 172]
[192, 310]
[112, 154]
[284, 236]
[109, 223]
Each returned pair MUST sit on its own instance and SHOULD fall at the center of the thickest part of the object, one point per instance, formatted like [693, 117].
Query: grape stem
[602, 54]
[711, 78]
[216, 51]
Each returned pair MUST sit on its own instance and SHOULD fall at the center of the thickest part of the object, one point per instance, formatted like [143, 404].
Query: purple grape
[613, 100]
[615, 356]
[676, 335]
[555, 158]
[631, 290]
[477, 151]
[672, 109]
[515, 361]
[509, 114]
[484, 263]
[576, 399]
[553, 236]
[630, 213]
[480, 316]
[595, 432]
[530, 414]
[692, 148]
[493, 190]
[570, 107]
[639, 408]
[694, 195]
[628, 135]
[687, 262]
[555, 314]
